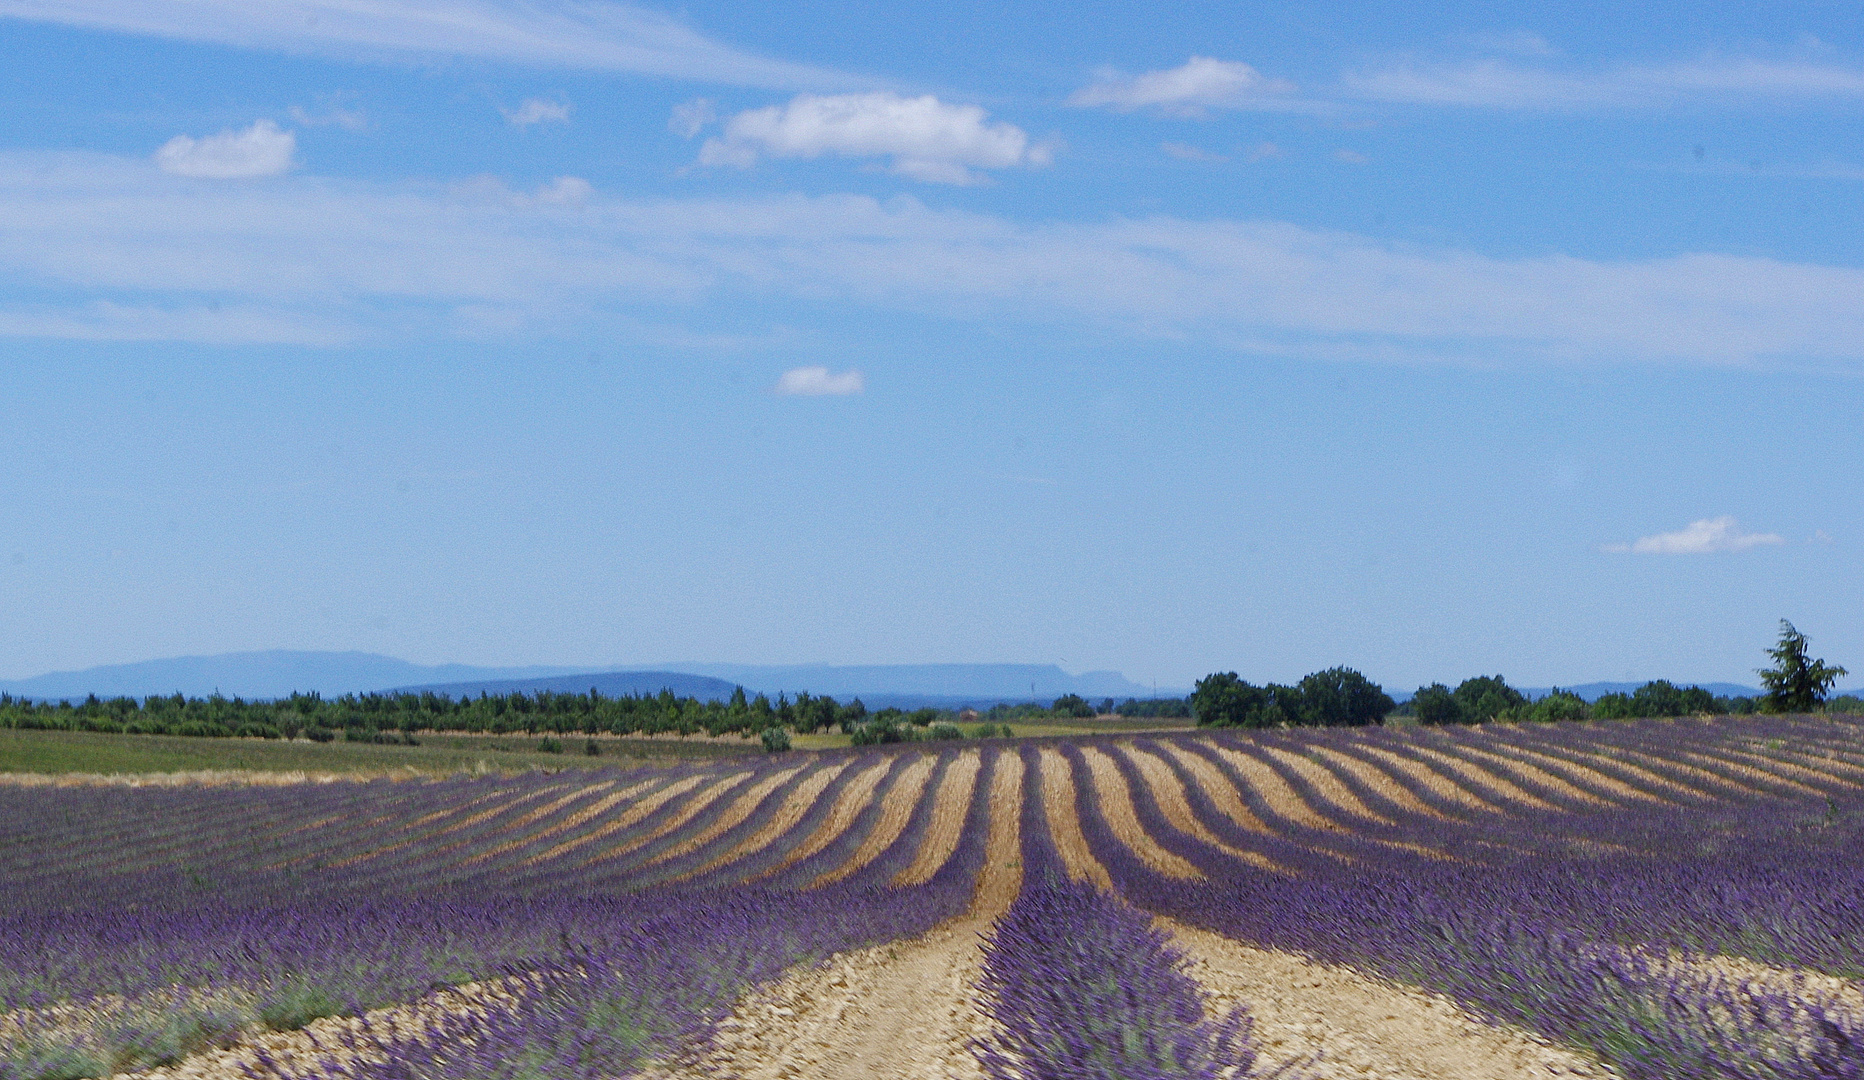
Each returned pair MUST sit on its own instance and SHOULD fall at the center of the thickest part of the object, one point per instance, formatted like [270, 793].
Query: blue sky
[1434, 340]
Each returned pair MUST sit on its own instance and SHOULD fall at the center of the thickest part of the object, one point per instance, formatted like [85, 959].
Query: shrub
[1074, 705]
[592, 748]
[319, 733]
[547, 745]
[776, 740]
[944, 731]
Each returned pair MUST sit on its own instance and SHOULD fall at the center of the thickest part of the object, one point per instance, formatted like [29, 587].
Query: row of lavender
[178, 918]
[1565, 920]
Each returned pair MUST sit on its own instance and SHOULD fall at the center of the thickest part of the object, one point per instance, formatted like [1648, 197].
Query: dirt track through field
[894, 1012]
[896, 809]
[946, 828]
[1363, 1028]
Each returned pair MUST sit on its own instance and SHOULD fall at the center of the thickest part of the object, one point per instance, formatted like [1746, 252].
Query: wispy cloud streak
[574, 34]
[397, 259]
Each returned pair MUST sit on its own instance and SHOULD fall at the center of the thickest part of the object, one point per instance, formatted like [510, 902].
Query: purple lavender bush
[1083, 987]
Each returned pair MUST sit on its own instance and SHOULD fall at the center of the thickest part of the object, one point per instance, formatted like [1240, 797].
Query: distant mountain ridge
[607, 683]
[260, 676]
[997, 682]
[278, 673]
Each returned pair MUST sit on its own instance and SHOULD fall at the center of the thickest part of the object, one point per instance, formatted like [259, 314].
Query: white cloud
[817, 382]
[926, 138]
[1699, 538]
[536, 111]
[260, 150]
[390, 261]
[1503, 85]
[575, 34]
[1201, 84]
[691, 117]
[347, 119]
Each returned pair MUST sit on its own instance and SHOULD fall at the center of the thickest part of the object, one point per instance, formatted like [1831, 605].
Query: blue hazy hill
[607, 683]
[944, 682]
[259, 676]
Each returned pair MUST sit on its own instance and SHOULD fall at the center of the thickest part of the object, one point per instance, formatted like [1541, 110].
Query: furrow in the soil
[1348, 1026]
[1064, 822]
[1326, 786]
[1783, 762]
[1771, 782]
[1115, 800]
[1275, 791]
[902, 1011]
[853, 799]
[1431, 779]
[1217, 787]
[1379, 782]
[640, 811]
[466, 823]
[952, 800]
[1515, 764]
[1611, 765]
[1473, 775]
[1169, 793]
[804, 796]
[565, 821]
[733, 815]
[1667, 763]
[896, 809]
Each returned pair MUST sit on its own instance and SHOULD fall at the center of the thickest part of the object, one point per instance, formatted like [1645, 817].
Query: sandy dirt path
[895, 1012]
[1364, 1028]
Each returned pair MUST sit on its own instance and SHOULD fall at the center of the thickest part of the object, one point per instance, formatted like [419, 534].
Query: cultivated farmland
[1643, 899]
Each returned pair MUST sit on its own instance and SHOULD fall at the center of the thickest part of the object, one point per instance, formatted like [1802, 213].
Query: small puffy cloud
[817, 382]
[926, 138]
[260, 150]
[537, 111]
[565, 191]
[1199, 85]
[347, 119]
[691, 117]
[1699, 538]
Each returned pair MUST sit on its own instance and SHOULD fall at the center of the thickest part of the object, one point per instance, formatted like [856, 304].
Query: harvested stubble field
[1642, 899]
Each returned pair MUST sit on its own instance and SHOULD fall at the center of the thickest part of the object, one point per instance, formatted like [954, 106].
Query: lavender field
[1643, 899]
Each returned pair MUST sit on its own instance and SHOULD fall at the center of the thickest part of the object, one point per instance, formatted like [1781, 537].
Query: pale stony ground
[1357, 1028]
[894, 1012]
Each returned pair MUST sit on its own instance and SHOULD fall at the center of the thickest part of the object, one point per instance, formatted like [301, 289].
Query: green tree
[1436, 704]
[1223, 700]
[1481, 698]
[1795, 683]
[1342, 697]
[1074, 705]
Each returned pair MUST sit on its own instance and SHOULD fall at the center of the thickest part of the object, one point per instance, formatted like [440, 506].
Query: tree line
[1343, 697]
